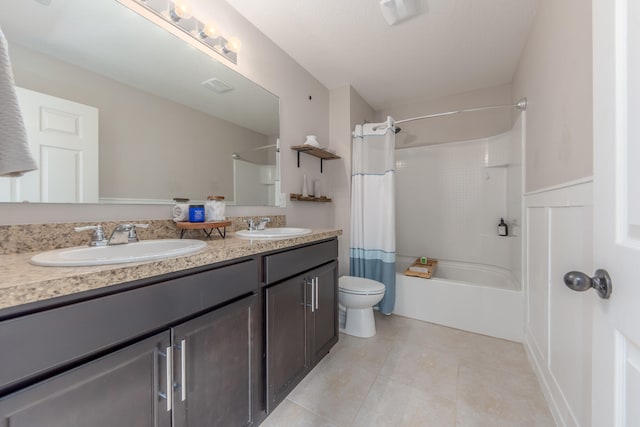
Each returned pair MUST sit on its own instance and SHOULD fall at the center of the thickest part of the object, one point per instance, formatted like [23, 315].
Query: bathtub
[473, 297]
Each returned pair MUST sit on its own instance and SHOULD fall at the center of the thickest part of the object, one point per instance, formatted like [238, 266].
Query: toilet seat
[360, 286]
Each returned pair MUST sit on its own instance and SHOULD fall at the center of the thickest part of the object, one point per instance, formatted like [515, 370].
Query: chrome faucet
[260, 225]
[125, 233]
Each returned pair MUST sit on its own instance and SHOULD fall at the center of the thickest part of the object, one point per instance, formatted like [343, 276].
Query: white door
[63, 138]
[616, 327]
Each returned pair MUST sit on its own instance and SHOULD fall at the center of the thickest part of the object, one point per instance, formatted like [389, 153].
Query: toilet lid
[360, 285]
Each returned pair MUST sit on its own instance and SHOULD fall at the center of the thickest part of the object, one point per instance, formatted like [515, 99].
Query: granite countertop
[22, 282]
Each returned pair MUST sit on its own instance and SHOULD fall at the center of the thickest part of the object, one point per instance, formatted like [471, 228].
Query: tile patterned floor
[414, 373]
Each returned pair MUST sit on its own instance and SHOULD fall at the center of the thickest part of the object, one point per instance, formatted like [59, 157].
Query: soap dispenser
[503, 229]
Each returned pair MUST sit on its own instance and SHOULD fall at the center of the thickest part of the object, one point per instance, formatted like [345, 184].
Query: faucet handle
[133, 234]
[251, 224]
[263, 222]
[97, 238]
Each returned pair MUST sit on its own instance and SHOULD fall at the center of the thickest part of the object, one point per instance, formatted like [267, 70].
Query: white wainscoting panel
[538, 280]
[559, 329]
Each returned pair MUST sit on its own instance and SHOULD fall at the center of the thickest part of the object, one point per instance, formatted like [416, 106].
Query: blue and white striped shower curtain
[373, 234]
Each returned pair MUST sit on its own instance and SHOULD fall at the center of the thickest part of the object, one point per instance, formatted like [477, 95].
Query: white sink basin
[144, 250]
[273, 233]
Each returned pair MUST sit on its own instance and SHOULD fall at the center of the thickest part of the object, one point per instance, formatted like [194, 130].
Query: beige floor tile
[391, 403]
[369, 354]
[438, 337]
[335, 391]
[494, 397]
[288, 414]
[422, 367]
[415, 373]
[393, 327]
[492, 352]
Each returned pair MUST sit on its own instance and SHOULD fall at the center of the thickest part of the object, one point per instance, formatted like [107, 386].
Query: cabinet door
[323, 322]
[125, 388]
[218, 356]
[287, 355]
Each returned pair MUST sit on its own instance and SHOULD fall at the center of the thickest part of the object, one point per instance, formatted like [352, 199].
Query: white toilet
[358, 295]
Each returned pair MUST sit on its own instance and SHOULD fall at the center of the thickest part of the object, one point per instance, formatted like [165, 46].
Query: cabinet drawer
[36, 343]
[286, 264]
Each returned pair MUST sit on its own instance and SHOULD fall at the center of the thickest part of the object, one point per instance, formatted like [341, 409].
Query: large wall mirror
[118, 110]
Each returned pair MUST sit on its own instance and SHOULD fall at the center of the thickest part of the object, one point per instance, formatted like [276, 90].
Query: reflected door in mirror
[63, 138]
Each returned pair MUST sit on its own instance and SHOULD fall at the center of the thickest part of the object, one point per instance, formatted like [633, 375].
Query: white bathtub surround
[473, 297]
[450, 198]
[373, 235]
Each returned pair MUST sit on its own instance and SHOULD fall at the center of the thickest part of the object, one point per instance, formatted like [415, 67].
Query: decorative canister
[196, 213]
[215, 208]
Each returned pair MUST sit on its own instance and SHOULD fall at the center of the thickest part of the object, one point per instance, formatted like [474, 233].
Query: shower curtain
[373, 238]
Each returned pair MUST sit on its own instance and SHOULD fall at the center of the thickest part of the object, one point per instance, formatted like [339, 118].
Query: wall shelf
[316, 152]
[301, 198]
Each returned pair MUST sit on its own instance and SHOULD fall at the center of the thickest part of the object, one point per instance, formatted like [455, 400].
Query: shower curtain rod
[520, 105]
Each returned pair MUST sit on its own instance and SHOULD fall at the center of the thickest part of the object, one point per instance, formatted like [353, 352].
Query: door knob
[579, 281]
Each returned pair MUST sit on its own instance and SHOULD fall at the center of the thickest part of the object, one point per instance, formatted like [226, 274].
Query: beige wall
[459, 127]
[266, 64]
[150, 147]
[347, 108]
[555, 74]
[340, 136]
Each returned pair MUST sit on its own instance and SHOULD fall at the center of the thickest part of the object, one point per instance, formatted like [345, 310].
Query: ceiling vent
[217, 85]
[395, 11]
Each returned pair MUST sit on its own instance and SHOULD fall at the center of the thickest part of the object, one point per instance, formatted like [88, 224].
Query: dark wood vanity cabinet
[218, 367]
[301, 314]
[218, 345]
[201, 366]
[121, 389]
[323, 321]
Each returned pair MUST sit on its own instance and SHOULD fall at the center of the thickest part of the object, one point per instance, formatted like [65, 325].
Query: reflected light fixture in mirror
[178, 13]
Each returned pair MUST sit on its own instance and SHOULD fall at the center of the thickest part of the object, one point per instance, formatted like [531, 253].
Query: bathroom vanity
[220, 343]
[301, 314]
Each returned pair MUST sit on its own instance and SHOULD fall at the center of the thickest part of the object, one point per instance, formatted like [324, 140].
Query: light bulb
[181, 10]
[209, 30]
[233, 44]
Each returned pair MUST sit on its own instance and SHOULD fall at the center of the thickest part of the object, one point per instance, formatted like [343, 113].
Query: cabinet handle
[313, 295]
[183, 368]
[317, 280]
[168, 354]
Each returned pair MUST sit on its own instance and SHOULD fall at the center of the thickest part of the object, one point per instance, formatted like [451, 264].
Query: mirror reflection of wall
[256, 175]
[162, 133]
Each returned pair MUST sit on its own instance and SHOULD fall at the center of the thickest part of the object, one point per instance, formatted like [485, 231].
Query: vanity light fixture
[233, 45]
[180, 10]
[209, 30]
[178, 14]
